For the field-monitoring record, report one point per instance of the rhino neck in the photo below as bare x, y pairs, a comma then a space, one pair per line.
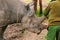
14, 18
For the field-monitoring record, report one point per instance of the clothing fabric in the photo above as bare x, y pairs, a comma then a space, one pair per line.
53, 10
53, 33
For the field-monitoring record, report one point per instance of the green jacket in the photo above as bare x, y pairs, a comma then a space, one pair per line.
53, 10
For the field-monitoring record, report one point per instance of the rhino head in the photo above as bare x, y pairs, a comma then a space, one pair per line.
31, 23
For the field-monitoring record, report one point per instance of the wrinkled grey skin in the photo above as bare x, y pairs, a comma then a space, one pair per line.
11, 11
31, 23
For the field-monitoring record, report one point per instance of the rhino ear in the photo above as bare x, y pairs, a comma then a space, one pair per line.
27, 7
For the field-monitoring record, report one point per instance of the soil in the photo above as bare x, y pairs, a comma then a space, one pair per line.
16, 32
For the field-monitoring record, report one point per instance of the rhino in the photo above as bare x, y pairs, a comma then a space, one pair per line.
16, 31
15, 11
33, 23
12, 11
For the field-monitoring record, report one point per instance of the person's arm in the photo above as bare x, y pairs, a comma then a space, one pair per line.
42, 18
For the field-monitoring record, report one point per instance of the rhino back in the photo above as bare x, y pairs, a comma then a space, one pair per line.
13, 10
16, 7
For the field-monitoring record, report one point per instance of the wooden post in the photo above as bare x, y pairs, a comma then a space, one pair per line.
40, 4
35, 5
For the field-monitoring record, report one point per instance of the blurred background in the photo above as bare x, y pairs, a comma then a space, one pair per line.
44, 5
44, 2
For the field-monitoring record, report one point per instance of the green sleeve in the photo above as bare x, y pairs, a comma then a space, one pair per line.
47, 10
46, 13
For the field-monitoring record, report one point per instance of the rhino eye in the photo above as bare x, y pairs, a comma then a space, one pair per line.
27, 7
34, 24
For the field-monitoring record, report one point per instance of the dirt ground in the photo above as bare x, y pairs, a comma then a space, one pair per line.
14, 32
32, 36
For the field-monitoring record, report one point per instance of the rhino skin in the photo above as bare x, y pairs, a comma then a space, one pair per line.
32, 24
16, 31
12, 11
